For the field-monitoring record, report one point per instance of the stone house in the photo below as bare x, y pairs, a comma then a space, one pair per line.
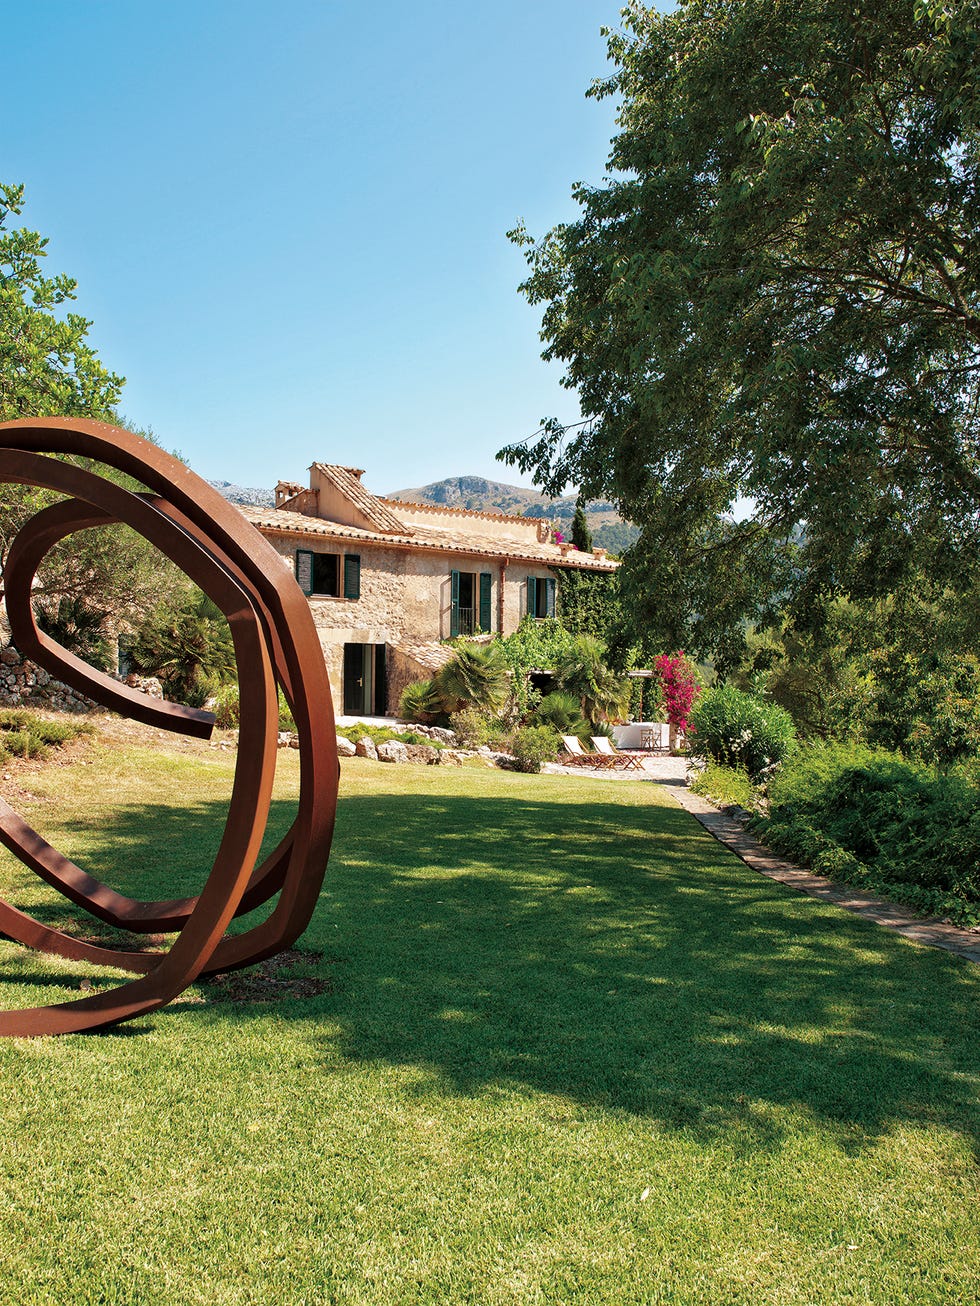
388, 581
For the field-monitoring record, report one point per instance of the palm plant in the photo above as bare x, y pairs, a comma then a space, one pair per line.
582, 672
564, 714
189, 648
420, 702
477, 676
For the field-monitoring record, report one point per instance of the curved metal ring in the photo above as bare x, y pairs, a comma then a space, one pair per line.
274, 640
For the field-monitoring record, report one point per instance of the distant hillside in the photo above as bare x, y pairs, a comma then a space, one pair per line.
609, 530
246, 494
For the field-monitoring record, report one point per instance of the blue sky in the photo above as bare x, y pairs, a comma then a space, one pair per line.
288, 221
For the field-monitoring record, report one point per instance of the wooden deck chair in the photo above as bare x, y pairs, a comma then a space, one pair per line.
621, 761
575, 754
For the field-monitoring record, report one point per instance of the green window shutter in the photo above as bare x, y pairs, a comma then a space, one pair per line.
532, 592
304, 570
352, 575
486, 589
549, 598
454, 604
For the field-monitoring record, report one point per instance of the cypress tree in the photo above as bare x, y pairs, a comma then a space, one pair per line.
581, 535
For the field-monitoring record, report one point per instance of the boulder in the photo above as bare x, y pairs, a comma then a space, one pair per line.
392, 750
444, 736
422, 753
366, 747
344, 747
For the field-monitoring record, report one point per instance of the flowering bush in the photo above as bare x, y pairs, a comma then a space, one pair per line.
740, 730
678, 685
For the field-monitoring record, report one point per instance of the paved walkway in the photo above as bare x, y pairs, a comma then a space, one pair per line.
931, 932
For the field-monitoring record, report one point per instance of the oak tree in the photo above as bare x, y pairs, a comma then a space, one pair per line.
770, 308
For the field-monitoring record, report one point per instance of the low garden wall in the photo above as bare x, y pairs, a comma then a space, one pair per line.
25, 684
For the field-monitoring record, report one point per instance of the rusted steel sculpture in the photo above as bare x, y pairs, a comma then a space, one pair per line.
275, 643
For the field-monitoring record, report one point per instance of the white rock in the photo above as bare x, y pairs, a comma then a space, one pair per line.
392, 750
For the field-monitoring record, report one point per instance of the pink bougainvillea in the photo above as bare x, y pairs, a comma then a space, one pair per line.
679, 685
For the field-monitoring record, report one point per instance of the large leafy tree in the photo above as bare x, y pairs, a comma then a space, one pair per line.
770, 309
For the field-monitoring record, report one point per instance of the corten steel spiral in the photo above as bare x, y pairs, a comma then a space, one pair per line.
275, 642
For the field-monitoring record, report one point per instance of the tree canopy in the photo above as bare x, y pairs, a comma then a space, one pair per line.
770, 308
47, 367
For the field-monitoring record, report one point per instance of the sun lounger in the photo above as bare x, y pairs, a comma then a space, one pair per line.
620, 761
575, 754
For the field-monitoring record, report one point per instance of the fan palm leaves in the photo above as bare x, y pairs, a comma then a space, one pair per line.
582, 672
477, 676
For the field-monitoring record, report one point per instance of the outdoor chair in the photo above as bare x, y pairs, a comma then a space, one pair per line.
620, 761
575, 754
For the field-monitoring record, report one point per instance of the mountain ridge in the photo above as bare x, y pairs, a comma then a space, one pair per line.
479, 494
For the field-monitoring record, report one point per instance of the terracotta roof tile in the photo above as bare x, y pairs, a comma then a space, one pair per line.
369, 504
428, 538
467, 512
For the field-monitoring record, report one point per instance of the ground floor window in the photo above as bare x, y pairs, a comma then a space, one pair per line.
365, 689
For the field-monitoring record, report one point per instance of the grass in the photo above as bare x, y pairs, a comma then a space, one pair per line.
564, 1049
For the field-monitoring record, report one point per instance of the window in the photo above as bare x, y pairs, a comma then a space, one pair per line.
320, 573
470, 604
540, 596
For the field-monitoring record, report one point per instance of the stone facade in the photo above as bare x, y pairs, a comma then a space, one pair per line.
407, 558
405, 601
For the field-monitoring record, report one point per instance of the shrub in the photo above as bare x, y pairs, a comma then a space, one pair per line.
419, 702
286, 721
740, 730
474, 728
225, 703
875, 819
679, 686
905, 821
563, 714
726, 785
534, 745
22, 734
381, 735
536, 645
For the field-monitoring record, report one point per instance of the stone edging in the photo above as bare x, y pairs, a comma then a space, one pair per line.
929, 931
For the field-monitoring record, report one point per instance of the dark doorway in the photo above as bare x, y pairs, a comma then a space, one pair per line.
365, 680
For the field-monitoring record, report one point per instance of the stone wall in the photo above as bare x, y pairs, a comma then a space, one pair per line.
25, 684
405, 599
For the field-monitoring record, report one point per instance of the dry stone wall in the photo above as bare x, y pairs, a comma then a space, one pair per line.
24, 684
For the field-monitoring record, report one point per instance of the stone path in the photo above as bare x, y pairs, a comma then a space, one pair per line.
931, 932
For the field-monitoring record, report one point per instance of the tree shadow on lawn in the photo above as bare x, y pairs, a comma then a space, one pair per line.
609, 953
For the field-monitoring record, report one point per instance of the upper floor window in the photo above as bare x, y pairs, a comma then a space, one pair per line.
540, 596
325, 574
470, 608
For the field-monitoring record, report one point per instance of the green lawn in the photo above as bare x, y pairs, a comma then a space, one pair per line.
551, 1045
